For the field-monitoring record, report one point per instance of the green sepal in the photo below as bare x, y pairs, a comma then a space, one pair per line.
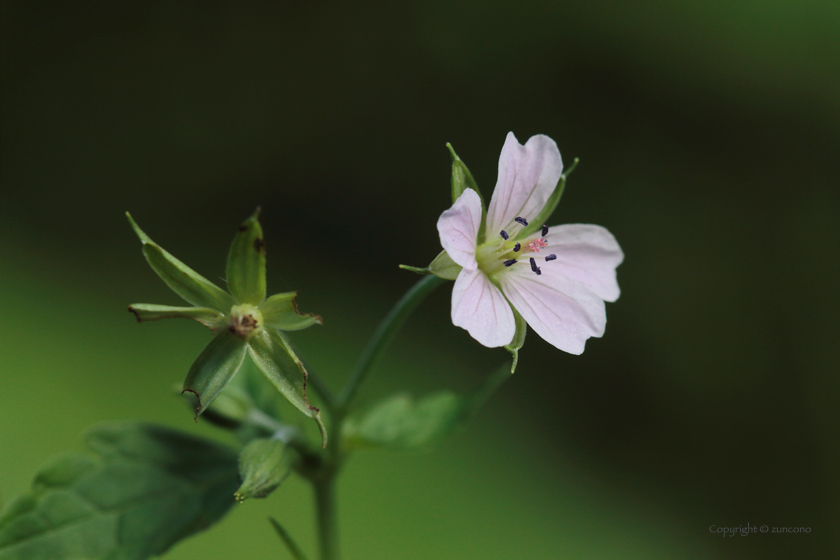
263, 465
214, 368
246, 263
294, 549
518, 338
180, 278
142, 489
550, 205
400, 422
462, 180
281, 312
274, 356
416, 269
442, 266
204, 315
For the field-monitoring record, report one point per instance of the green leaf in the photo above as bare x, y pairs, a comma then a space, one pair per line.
444, 267
518, 338
550, 205
246, 263
275, 358
400, 422
294, 549
145, 489
204, 315
263, 465
181, 279
281, 312
214, 368
416, 269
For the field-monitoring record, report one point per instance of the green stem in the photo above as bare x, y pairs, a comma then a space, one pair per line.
385, 333
327, 522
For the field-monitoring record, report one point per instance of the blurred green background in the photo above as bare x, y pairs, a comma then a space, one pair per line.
709, 134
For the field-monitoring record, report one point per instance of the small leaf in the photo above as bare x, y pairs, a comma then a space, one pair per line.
444, 267
400, 422
276, 359
204, 315
294, 549
518, 338
146, 488
263, 465
246, 263
550, 205
180, 278
281, 312
214, 368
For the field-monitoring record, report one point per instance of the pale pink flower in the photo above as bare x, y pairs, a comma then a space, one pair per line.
557, 278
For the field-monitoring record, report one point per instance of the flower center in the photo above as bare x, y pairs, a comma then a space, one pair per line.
245, 320
498, 254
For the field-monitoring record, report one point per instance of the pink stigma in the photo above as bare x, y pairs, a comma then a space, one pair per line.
536, 244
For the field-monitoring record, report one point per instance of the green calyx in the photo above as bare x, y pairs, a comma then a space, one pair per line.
244, 321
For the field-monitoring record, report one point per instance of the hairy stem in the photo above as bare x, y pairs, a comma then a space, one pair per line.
385, 333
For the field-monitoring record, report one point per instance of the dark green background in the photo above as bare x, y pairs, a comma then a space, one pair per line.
709, 133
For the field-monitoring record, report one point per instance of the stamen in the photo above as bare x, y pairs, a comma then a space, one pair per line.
544, 230
521, 220
510, 262
534, 267
504, 235
551, 257
516, 248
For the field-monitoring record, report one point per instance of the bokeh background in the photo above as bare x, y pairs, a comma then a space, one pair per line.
709, 134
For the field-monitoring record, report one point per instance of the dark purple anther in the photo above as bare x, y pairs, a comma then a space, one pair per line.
544, 230
533, 264
510, 262
521, 220
504, 235
551, 257
516, 247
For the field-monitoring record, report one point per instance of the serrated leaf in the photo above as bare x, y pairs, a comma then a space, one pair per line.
180, 278
246, 263
400, 422
151, 312
214, 368
281, 312
518, 338
550, 205
146, 488
273, 355
263, 465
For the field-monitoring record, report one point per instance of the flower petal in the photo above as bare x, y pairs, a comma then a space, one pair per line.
588, 254
479, 307
560, 309
458, 229
527, 176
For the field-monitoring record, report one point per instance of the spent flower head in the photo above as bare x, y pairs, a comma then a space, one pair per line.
243, 321
511, 269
